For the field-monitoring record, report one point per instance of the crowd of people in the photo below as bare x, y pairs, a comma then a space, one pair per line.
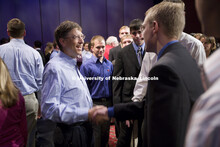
158, 82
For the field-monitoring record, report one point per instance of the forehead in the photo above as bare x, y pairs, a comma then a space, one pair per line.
75, 31
99, 42
124, 30
127, 39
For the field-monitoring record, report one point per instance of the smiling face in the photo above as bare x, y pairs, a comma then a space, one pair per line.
73, 43
98, 48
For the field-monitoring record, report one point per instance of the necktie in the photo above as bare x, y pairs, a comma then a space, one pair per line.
139, 53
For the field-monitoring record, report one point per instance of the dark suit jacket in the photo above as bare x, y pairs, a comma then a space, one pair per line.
169, 99
114, 52
126, 65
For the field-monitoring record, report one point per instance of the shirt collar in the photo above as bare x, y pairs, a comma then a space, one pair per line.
137, 47
95, 59
163, 49
17, 40
67, 58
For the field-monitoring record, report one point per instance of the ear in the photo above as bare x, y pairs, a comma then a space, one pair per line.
24, 33
8, 33
62, 42
92, 47
155, 26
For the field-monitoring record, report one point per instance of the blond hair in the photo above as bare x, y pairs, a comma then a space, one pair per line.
97, 37
128, 36
170, 17
123, 27
8, 91
49, 47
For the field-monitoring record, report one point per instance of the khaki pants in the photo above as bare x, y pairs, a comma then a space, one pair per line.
31, 105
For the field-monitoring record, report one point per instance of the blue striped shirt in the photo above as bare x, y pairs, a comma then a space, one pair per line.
65, 95
24, 64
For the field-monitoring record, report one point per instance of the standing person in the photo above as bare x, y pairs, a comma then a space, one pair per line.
65, 96
169, 99
55, 51
209, 45
48, 50
26, 67
124, 30
128, 64
193, 45
13, 123
111, 42
37, 46
203, 129
100, 89
86, 53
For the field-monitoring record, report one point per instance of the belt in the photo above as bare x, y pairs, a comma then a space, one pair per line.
101, 99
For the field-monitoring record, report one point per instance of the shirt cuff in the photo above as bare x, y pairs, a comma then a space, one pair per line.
111, 112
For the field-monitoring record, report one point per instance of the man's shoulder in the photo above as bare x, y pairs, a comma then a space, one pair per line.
115, 49
190, 41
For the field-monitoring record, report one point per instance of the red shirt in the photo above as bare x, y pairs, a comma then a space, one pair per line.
13, 125
107, 49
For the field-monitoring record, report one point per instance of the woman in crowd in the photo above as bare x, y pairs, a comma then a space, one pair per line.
48, 50
209, 45
13, 124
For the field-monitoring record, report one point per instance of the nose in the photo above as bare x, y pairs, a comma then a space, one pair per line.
81, 40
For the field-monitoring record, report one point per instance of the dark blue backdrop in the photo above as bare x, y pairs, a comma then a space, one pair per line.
97, 17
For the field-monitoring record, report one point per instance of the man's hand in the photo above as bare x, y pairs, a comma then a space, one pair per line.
98, 114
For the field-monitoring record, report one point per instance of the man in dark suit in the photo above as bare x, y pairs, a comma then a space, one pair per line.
169, 99
128, 65
124, 30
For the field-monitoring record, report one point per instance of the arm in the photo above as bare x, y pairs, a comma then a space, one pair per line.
39, 72
140, 88
200, 55
62, 105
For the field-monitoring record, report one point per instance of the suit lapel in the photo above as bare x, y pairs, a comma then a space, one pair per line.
132, 56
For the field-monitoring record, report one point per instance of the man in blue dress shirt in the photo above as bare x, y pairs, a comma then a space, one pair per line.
65, 96
26, 67
97, 72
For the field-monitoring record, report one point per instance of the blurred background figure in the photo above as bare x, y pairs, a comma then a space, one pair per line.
111, 42
209, 45
55, 51
4, 40
37, 47
48, 50
126, 40
86, 53
13, 123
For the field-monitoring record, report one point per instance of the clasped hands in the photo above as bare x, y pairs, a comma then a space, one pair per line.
98, 114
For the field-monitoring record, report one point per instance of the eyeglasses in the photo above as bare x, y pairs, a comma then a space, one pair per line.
77, 37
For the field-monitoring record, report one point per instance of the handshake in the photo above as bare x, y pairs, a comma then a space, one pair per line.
98, 114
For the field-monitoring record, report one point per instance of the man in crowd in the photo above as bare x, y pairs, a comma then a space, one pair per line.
128, 64
111, 42
65, 96
37, 47
26, 68
169, 99
124, 30
98, 71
